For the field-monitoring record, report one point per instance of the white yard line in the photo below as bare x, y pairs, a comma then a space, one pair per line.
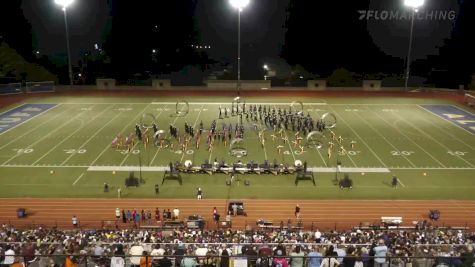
316, 148
45, 136
445, 131
348, 155
264, 147
400, 182
408, 138
138, 141
362, 140
69, 136
158, 148
194, 125
90, 138
123, 129
80, 176
36, 116
288, 141
38, 126
435, 140
384, 138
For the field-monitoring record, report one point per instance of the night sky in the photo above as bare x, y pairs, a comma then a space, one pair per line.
261, 26
321, 36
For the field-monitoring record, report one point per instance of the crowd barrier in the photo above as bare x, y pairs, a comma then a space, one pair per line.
26, 223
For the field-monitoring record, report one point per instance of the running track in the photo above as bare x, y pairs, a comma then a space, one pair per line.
325, 214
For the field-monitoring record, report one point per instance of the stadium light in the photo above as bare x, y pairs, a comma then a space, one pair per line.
239, 5
65, 4
414, 5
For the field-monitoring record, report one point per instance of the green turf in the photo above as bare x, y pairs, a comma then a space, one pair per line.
393, 133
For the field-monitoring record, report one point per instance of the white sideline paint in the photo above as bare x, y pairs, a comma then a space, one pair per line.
346, 170
129, 168
162, 168
227, 103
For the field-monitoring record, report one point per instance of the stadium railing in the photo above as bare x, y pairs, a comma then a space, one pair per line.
11, 88
214, 259
39, 87
26, 223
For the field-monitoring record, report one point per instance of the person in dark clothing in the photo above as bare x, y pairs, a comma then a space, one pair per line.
165, 261
124, 217
350, 258
224, 258
179, 252
394, 182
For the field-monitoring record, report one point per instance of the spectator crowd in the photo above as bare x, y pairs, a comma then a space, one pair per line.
187, 248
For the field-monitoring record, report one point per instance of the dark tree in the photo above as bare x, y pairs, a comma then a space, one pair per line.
15, 30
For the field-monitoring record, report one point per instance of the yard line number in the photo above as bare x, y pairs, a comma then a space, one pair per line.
23, 150
401, 153
75, 151
188, 152
349, 152
457, 153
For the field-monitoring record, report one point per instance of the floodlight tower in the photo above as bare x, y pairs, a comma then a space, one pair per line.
239, 5
414, 5
65, 4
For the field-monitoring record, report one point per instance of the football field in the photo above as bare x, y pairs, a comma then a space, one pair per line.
61, 147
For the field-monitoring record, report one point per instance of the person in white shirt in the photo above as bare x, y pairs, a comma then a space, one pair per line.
136, 250
157, 251
176, 213
9, 255
117, 260
117, 213
318, 236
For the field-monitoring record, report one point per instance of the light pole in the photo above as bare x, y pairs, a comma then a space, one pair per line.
414, 5
239, 5
266, 69
65, 4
